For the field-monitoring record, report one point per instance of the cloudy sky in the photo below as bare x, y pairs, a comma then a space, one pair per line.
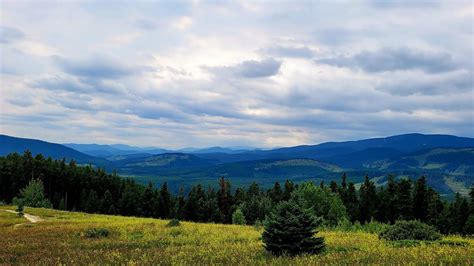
242, 73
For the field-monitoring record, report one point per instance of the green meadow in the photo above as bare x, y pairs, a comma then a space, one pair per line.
62, 239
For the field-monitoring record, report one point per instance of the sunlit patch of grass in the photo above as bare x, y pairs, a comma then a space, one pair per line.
149, 241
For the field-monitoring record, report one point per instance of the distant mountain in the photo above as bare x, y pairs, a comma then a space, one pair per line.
112, 150
402, 143
447, 161
457, 161
159, 163
222, 150
10, 144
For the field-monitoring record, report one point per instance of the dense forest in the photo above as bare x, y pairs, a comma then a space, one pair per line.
83, 188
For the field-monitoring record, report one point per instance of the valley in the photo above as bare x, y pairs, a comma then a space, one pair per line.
447, 161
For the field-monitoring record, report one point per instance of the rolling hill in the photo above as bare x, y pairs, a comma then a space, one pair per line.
56, 151
448, 161
112, 150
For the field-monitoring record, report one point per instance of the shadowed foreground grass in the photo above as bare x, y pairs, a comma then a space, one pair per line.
60, 239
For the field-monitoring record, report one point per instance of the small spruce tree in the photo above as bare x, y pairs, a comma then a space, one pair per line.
238, 217
20, 208
33, 195
290, 230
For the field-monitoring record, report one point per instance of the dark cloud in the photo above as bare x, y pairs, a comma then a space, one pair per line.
62, 84
429, 85
390, 59
289, 51
249, 69
8, 34
96, 67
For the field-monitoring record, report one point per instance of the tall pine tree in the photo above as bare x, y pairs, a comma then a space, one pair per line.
368, 198
420, 202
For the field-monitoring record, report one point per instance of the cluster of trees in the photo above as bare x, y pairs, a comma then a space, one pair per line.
68, 186
406, 200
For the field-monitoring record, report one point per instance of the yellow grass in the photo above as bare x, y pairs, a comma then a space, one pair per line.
60, 239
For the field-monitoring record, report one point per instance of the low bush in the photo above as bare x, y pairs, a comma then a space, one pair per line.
97, 233
454, 243
20, 208
173, 223
410, 230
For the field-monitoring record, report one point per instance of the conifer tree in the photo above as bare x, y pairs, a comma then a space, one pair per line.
194, 207
289, 187
164, 202
92, 203
33, 194
404, 200
343, 189
435, 207
352, 203
149, 206
238, 217
392, 206
333, 186
471, 194
180, 204
240, 196
225, 200
344, 181
276, 194
107, 202
368, 197
420, 203
290, 230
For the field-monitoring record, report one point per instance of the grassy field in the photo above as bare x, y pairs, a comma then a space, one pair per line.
61, 239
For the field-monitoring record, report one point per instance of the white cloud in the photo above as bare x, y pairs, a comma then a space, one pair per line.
233, 74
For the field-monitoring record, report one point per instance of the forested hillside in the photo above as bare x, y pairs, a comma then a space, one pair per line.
72, 187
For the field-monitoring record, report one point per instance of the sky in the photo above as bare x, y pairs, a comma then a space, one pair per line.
176, 74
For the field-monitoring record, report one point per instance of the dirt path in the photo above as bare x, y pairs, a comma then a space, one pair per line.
29, 217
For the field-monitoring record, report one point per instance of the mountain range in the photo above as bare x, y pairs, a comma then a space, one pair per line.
447, 161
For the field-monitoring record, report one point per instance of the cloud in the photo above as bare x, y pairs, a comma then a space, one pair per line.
78, 85
146, 24
392, 59
420, 84
404, 4
198, 73
96, 67
249, 69
290, 51
9, 34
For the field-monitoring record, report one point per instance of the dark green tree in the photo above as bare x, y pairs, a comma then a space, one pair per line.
180, 204
256, 207
352, 203
289, 187
368, 198
333, 186
290, 230
165, 203
404, 200
392, 204
107, 202
276, 194
150, 201
435, 207
420, 202
224, 197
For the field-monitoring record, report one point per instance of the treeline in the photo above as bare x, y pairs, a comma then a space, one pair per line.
83, 188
